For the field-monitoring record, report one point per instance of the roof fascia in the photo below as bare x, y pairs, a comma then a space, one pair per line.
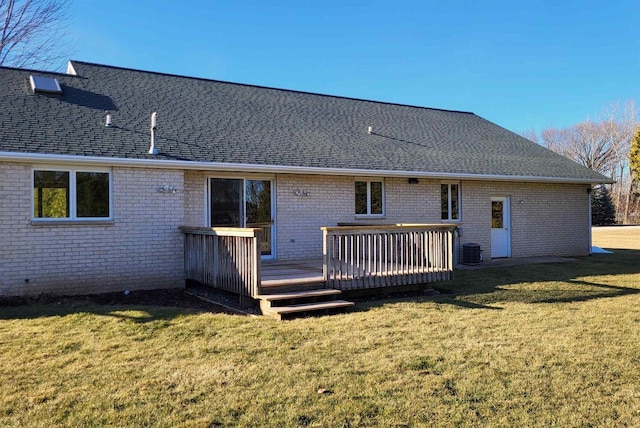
274, 169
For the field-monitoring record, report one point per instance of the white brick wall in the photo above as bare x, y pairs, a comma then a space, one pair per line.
546, 219
195, 197
299, 218
141, 248
332, 201
551, 220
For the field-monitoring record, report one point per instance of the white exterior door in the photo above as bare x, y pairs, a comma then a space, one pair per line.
500, 225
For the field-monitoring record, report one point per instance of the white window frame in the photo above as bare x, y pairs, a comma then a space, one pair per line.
450, 201
369, 181
73, 217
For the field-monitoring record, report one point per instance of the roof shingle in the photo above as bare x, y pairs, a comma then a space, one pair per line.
212, 121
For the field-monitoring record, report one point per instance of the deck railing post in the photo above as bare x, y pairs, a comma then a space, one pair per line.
325, 254
450, 254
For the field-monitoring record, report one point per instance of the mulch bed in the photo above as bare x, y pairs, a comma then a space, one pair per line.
178, 298
212, 300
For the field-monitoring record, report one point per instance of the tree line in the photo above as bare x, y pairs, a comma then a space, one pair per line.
609, 144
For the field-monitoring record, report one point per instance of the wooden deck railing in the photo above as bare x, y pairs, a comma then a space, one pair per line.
224, 257
358, 257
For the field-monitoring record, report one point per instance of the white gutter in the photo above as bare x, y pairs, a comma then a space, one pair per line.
273, 169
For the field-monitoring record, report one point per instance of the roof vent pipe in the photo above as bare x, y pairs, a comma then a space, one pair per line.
152, 149
370, 130
107, 120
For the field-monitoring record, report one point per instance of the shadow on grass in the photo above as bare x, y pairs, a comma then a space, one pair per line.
138, 306
468, 305
577, 281
134, 313
594, 277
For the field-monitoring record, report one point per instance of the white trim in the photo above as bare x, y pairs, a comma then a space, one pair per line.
73, 195
506, 217
450, 183
206, 202
273, 169
369, 214
243, 214
274, 219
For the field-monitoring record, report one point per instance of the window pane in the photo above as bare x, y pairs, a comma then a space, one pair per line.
376, 197
361, 197
454, 202
444, 201
92, 194
50, 194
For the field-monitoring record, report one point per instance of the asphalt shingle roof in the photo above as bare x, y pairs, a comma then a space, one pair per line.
212, 121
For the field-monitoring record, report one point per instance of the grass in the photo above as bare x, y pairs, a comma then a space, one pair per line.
541, 345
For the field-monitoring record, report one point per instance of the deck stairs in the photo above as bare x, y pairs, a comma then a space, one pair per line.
281, 303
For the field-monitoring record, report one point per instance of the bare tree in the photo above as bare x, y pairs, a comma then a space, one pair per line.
585, 142
601, 145
530, 135
31, 32
620, 123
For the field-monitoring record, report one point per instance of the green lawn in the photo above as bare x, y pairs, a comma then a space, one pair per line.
542, 345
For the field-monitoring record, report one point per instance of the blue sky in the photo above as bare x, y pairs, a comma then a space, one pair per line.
523, 65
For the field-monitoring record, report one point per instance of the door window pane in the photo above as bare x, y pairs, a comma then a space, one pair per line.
226, 202
258, 201
259, 214
497, 215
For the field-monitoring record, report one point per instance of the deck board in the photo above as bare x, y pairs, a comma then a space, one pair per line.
283, 273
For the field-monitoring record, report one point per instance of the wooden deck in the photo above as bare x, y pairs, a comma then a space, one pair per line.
277, 273
354, 257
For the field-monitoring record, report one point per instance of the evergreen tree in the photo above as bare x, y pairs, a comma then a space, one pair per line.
602, 210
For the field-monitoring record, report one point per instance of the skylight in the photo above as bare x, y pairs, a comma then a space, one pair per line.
49, 85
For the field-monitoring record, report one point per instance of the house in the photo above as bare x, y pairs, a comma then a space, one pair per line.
101, 166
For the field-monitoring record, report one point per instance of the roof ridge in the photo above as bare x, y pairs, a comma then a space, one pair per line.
32, 70
269, 87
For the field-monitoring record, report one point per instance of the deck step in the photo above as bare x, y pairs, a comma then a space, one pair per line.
299, 294
279, 311
301, 302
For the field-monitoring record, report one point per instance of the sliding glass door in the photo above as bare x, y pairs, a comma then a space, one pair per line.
238, 202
